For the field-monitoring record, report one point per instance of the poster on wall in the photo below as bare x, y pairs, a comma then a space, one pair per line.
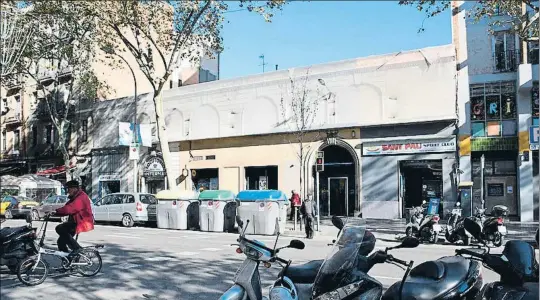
213, 183
125, 134
263, 183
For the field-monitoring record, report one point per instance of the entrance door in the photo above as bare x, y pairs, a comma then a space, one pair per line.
338, 196
155, 186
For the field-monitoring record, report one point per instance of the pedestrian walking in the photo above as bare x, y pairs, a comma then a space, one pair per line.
309, 211
295, 204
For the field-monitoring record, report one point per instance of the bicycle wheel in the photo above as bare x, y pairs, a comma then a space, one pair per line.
32, 272
90, 262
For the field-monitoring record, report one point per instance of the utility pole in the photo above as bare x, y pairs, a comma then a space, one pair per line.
263, 63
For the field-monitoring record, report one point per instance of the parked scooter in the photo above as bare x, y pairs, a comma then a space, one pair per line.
455, 231
517, 267
493, 229
422, 225
16, 244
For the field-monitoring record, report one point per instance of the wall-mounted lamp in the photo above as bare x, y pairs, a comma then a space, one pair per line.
353, 134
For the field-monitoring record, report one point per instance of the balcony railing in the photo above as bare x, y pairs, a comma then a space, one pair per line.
506, 61
11, 118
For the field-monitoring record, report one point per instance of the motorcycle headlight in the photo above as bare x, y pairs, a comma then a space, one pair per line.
252, 253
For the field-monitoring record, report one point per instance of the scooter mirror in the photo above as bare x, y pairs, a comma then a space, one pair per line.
297, 244
458, 204
410, 242
28, 218
424, 202
473, 228
338, 222
239, 222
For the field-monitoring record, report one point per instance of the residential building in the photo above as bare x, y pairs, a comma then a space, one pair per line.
386, 125
498, 104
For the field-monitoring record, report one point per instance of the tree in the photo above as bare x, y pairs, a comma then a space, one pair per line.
160, 35
299, 107
524, 24
59, 60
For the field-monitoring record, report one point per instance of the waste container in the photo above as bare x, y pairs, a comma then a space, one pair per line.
178, 209
264, 209
217, 210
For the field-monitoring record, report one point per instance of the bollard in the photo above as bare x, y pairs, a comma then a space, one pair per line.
295, 218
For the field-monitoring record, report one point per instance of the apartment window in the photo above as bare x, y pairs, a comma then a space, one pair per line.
535, 104
34, 135
49, 134
4, 141
493, 109
532, 57
504, 51
16, 140
179, 82
84, 129
170, 84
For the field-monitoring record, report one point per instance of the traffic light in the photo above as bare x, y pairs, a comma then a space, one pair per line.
319, 163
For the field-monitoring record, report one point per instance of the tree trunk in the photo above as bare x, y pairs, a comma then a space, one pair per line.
62, 139
163, 139
301, 169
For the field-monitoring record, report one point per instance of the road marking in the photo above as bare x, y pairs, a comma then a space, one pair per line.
211, 249
124, 236
160, 258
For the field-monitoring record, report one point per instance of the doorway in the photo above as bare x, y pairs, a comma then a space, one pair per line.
338, 197
155, 186
420, 180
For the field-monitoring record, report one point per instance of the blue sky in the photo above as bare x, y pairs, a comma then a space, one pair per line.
308, 33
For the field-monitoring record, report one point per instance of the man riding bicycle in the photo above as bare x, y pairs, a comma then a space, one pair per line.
81, 217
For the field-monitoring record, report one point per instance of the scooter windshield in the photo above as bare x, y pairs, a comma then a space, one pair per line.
342, 260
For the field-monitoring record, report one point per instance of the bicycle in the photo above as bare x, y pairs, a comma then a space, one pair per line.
79, 260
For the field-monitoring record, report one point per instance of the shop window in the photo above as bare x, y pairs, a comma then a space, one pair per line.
493, 109
207, 179
262, 178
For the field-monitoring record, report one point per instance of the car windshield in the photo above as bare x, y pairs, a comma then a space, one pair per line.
148, 199
342, 260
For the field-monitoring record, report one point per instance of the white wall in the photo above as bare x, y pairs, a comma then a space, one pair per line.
400, 87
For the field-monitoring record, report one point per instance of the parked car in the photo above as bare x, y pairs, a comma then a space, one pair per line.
16, 206
126, 208
50, 204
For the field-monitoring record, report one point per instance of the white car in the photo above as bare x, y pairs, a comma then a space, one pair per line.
126, 208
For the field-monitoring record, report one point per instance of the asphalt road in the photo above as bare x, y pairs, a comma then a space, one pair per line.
151, 263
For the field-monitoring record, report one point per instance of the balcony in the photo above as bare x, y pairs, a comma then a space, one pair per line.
506, 61
11, 118
48, 73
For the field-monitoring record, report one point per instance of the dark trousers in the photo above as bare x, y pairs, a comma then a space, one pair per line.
309, 226
66, 233
293, 210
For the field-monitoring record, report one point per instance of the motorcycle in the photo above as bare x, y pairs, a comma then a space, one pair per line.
423, 226
339, 277
16, 244
493, 229
455, 231
517, 267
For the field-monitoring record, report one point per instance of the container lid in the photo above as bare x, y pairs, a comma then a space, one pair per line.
261, 195
216, 195
465, 183
177, 195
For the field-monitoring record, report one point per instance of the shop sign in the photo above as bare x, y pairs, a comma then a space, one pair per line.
154, 167
109, 177
534, 136
408, 147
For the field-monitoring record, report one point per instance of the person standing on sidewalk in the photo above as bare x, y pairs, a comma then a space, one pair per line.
295, 204
308, 210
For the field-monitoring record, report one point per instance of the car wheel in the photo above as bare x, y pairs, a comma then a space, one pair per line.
498, 240
127, 220
8, 214
35, 215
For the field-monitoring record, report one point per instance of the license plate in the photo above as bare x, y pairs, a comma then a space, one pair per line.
502, 229
437, 228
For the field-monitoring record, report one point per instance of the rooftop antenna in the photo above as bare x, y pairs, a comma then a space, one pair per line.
263, 63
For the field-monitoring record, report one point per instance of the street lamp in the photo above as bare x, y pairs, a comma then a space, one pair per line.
110, 50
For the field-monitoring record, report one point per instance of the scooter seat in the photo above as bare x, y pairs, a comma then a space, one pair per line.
8, 232
431, 279
304, 273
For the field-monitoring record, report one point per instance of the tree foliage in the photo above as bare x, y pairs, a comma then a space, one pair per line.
498, 12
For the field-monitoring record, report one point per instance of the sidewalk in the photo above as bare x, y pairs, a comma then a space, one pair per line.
392, 228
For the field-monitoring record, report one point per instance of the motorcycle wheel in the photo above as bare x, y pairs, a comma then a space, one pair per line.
498, 240
449, 238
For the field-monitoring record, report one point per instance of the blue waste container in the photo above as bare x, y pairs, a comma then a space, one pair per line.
266, 211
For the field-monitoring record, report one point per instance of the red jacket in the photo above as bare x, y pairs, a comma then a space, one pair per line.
295, 200
80, 209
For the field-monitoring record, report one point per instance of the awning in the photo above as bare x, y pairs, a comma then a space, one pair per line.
54, 171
